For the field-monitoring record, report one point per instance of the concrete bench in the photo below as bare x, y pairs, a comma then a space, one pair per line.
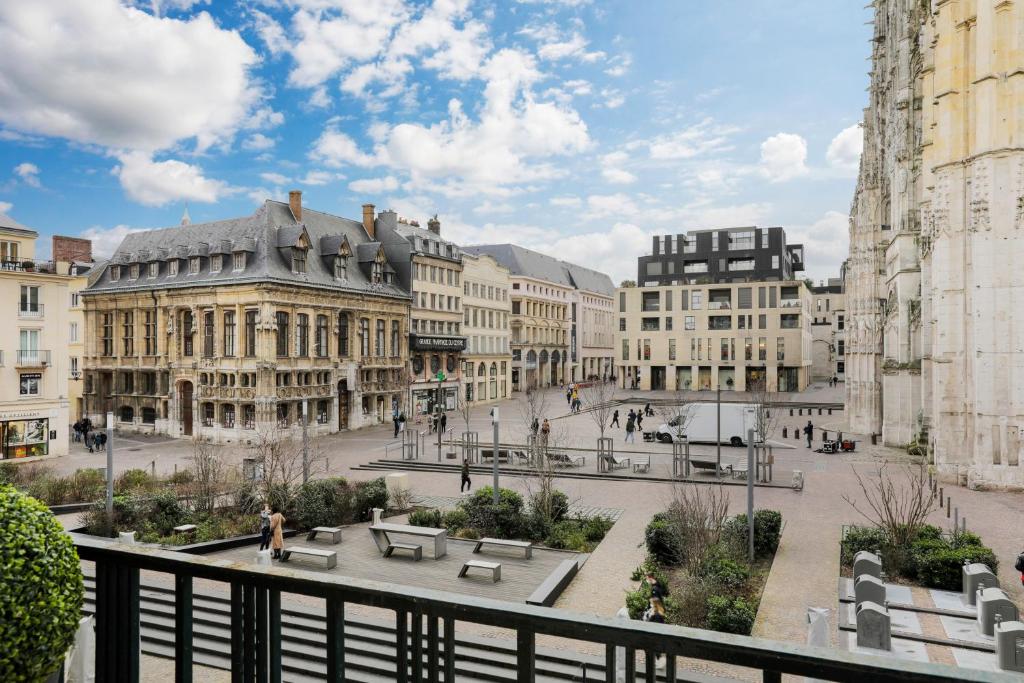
185, 529
548, 591
565, 460
495, 568
525, 545
329, 555
334, 532
642, 465
417, 550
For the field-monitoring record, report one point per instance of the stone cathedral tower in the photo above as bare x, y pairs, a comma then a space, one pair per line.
935, 278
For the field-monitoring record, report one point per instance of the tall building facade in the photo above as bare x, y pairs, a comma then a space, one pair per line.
545, 333
828, 331
220, 329
591, 332
34, 416
937, 226
430, 267
487, 307
75, 255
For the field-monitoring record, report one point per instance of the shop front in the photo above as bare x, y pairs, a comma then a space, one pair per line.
24, 435
436, 364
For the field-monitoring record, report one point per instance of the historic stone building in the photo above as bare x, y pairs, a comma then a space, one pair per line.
223, 328
828, 331
937, 224
487, 360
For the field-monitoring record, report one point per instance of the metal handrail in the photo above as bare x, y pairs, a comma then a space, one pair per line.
30, 310
256, 627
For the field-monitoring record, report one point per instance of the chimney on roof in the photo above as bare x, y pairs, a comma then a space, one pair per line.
434, 225
295, 204
368, 219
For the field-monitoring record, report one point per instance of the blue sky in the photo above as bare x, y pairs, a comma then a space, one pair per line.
577, 128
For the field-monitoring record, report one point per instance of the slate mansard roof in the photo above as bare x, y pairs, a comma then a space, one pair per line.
266, 237
529, 263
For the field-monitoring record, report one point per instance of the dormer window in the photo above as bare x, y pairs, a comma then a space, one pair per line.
298, 260
133, 272
172, 267
239, 260
340, 267
115, 273
154, 269
216, 261
193, 265
377, 270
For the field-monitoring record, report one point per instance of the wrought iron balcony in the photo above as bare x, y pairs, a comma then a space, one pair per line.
32, 358
424, 643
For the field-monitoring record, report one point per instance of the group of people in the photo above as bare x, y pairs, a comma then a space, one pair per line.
398, 418
833, 381
272, 531
83, 432
572, 397
634, 421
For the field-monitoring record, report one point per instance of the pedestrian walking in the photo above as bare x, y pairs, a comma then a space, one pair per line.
77, 429
647, 410
401, 421
1019, 566
655, 614
101, 438
545, 432
568, 397
640, 419
265, 527
835, 381
394, 418
630, 431
277, 533
88, 441
466, 484
615, 420
535, 427
658, 589
809, 431
444, 422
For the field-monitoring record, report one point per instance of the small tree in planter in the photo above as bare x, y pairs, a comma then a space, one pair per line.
41, 600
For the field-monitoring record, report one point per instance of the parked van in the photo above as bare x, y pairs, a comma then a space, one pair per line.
700, 424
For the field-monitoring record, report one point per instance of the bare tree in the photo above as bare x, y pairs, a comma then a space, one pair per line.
898, 505
533, 408
597, 398
209, 475
766, 415
281, 459
696, 517
678, 411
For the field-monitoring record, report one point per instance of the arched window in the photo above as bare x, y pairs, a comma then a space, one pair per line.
482, 370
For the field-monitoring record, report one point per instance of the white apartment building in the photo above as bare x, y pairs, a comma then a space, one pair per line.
487, 307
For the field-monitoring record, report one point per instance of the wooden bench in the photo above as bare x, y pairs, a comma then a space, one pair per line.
185, 529
335, 533
495, 568
565, 460
417, 550
642, 465
329, 555
525, 545
618, 463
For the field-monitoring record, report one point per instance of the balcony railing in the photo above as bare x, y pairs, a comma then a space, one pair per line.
791, 303
30, 310
425, 620
719, 305
32, 358
28, 266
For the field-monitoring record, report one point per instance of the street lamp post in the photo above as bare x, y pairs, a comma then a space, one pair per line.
440, 410
718, 441
494, 460
110, 470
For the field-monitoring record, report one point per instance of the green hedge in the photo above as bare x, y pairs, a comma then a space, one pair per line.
730, 615
42, 589
430, 518
767, 531
662, 541
504, 520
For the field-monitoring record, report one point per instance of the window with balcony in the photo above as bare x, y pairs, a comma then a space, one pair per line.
695, 267
741, 264
29, 304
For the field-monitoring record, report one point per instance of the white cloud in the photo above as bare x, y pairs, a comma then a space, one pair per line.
619, 65
5, 207
571, 202
105, 241
489, 207
783, 157
318, 178
845, 149
274, 178
29, 173
258, 142
826, 244
601, 205
155, 183
374, 185
104, 73
701, 138
162, 6
612, 171
578, 86
336, 149
613, 99
613, 251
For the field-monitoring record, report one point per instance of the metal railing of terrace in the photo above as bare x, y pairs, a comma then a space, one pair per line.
425, 623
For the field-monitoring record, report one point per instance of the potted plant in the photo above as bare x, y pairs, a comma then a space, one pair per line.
41, 600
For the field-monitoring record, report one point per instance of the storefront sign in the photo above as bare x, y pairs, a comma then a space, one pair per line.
434, 343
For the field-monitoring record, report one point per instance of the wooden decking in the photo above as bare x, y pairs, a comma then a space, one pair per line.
358, 556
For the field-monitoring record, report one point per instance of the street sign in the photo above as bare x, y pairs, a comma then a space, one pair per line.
440, 376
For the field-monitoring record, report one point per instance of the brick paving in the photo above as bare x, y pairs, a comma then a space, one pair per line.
807, 563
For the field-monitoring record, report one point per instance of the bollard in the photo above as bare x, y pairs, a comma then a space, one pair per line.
956, 519
824, 435
819, 411
949, 506
829, 411
785, 434
791, 412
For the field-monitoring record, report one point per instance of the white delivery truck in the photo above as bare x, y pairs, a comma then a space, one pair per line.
698, 422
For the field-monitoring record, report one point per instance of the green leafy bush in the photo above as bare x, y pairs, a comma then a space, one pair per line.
730, 615
557, 507
8, 473
595, 528
567, 535
315, 504
247, 498
41, 599
942, 567
368, 495
165, 512
87, 485
430, 518
52, 490
134, 480
662, 541
504, 520
728, 575
860, 538
767, 530
281, 497
455, 519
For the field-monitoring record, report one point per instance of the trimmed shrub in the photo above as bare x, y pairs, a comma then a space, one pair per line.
595, 528
455, 519
567, 535
134, 480
315, 504
429, 517
767, 529
726, 574
730, 615
860, 538
942, 567
87, 485
165, 512
662, 541
368, 495
41, 601
504, 520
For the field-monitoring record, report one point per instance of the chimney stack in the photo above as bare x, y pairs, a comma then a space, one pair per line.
368, 220
295, 203
434, 225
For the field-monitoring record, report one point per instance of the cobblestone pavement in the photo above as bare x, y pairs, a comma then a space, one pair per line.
806, 566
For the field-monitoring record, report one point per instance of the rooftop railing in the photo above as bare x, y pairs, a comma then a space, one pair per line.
425, 623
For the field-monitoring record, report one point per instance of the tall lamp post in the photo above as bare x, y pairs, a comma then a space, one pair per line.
440, 409
718, 441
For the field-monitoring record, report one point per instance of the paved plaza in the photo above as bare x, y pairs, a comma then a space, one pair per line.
806, 565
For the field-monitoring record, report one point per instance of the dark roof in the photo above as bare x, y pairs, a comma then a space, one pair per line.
266, 235
529, 263
9, 224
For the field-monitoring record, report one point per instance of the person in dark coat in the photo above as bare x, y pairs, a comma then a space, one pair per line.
639, 419
615, 420
809, 431
444, 422
394, 419
630, 430
265, 527
467, 484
